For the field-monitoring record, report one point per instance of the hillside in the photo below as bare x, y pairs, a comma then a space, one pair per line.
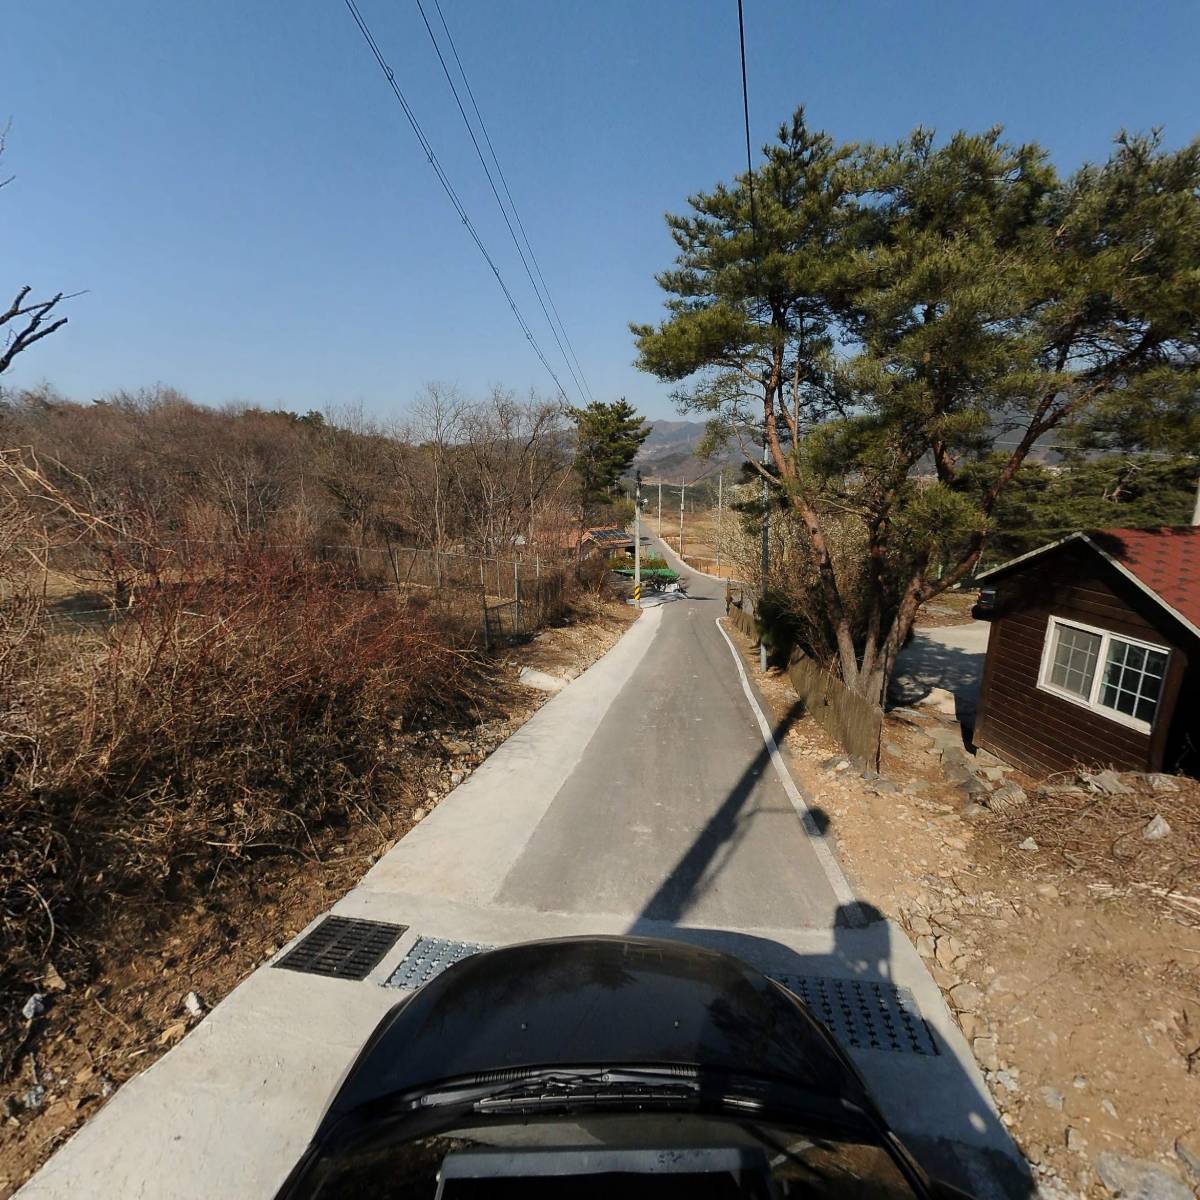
669, 453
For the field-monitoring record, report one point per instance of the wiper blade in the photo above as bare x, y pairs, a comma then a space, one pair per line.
554, 1087
604, 1088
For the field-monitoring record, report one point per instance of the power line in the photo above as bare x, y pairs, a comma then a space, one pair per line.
749, 156
448, 187
576, 370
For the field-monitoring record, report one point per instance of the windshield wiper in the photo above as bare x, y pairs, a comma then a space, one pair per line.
595, 1088
550, 1088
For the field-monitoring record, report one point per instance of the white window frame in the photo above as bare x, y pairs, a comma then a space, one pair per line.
1107, 637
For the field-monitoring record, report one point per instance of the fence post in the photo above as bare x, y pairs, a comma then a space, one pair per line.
518, 615
487, 641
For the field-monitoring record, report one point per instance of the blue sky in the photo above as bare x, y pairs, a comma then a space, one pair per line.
254, 221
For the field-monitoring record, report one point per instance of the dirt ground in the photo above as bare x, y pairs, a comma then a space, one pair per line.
1079, 949
97, 1033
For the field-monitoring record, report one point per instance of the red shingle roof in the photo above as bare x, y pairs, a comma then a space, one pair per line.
1166, 560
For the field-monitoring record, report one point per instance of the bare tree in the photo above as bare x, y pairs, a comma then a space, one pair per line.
25, 321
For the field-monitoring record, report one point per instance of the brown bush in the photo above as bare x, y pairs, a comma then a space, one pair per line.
215, 720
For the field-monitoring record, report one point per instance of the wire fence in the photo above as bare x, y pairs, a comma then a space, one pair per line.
500, 596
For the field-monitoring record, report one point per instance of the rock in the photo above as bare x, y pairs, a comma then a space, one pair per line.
971, 809
910, 716
956, 843
1007, 1081
945, 737
884, 787
1107, 782
946, 951
1006, 796
419, 813
53, 980
1051, 1098
1109, 1107
966, 997
969, 1024
1028, 844
985, 1052
1075, 1140
1156, 828
991, 774
985, 758
956, 774
1047, 890
540, 680
1189, 1154
925, 946
946, 980
34, 1097
920, 925
193, 1005
830, 764
1079, 1082
456, 777
1139, 1179
1161, 783
939, 700
34, 1006
955, 757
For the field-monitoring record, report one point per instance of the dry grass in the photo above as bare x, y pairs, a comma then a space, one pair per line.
1100, 839
215, 723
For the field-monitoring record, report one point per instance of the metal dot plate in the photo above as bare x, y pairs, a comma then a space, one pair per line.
864, 1015
342, 948
861, 1014
428, 957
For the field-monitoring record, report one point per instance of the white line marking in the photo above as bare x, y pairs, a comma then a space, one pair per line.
829, 864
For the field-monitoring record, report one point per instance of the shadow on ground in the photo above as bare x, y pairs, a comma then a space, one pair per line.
925, 664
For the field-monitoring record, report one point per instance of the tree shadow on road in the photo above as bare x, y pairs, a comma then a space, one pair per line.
695, 872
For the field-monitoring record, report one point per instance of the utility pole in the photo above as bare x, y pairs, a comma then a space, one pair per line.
766, 539
637, 540
659, 508
720, 489
682, 493
1196, 510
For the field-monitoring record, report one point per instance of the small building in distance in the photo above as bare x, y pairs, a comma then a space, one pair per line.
610, 540
1094, 654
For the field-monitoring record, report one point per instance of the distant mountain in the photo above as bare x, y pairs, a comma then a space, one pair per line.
669, 453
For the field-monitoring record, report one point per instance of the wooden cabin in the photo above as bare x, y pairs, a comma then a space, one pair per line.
1094, 654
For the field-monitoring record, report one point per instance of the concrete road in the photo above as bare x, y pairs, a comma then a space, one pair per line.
675, 803
647, 796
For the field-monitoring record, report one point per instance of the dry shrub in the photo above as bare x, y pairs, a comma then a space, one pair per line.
216, 720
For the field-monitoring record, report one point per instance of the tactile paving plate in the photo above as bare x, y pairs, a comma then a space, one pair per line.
861, 1014
865, 1015
430, 956
342, 948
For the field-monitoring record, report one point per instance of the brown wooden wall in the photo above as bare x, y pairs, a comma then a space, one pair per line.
1029, 727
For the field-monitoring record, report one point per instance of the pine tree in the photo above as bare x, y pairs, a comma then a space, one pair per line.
880, 310
608, 437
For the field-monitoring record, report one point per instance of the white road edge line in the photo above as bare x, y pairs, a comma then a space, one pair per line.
829, 864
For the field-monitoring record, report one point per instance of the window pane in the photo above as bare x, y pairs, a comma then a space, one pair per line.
1132, 679
1074, 664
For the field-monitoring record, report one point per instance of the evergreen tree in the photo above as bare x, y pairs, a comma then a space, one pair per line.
887, 308
608, 437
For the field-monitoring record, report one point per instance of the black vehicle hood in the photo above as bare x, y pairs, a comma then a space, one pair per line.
602, 1001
